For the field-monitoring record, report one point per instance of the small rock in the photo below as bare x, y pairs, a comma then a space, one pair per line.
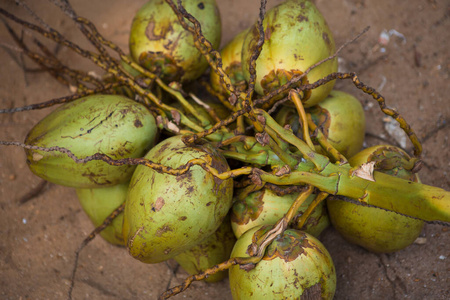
420, 241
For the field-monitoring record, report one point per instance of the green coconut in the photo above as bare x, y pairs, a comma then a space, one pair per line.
160, 43
210, 252
109, 124
166, 215
231, 63
100, 203
375, 229
340, 117
265, 207
295, 266
296, 37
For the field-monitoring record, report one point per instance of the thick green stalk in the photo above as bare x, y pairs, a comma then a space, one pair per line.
319, 161
413, 199
405, 197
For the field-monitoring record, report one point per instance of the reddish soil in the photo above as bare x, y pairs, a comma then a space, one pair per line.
39, 237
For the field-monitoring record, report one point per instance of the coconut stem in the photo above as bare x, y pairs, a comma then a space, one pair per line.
317, 200
293, 95
318, 160
258, 248
323, 142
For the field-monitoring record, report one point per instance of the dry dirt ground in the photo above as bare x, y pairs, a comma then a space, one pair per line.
38, 238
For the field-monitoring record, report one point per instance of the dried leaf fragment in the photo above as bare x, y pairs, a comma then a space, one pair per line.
172, 127
263, 138
283, 171
365, 171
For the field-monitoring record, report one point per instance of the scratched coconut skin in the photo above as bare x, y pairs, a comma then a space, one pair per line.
168, 49
166, 215
374, 229
295, 39
109, 124
295, 265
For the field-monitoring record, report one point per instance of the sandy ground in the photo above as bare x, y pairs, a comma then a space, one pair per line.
38, 238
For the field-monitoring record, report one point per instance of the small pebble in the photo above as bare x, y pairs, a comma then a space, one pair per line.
442, 257
420, 241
